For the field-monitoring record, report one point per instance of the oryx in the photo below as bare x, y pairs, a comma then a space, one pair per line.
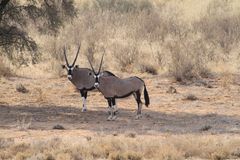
82, 78
113, 87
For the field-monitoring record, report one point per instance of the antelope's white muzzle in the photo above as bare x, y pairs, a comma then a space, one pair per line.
69, 77
96, 85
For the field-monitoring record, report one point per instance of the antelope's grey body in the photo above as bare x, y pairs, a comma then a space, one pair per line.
113, 87
82, 78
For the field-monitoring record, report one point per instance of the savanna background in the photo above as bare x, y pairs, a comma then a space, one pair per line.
187, 52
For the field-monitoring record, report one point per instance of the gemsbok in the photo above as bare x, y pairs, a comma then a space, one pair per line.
81, 78
113, 87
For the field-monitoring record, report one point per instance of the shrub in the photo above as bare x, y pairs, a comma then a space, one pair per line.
205, 128
220, 29
191, 97
4, 70
188, 59
126, 56
148, 69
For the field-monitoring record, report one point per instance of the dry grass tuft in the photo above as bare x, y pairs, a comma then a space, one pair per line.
133, 156
50, 157
131, 135
191, 97
171, 90
41, 98
116, 156
206, 128
125, 156
21, 88
24, 122
59, 127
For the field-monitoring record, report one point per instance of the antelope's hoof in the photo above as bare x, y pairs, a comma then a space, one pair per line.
109, 110
109, 118
114, 118
84, 110
138, 116
115, 113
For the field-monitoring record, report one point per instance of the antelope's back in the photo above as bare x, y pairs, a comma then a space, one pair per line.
112, 86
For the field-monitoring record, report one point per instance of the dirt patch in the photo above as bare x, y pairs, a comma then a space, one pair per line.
168, 113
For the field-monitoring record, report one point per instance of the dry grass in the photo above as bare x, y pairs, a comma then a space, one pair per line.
24, 121
5, 71
149, 36
41, 95
227, 79
124, 148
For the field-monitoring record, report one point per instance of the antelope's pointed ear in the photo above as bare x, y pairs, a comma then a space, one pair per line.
63, 66
76, 66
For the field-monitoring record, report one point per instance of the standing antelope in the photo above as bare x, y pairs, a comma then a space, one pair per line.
113, 87
81, 77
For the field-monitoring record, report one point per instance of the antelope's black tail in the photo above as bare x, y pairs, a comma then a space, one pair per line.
146, 96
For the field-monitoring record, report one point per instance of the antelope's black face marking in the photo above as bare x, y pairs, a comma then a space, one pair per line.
69, 71
97, 76
96, 84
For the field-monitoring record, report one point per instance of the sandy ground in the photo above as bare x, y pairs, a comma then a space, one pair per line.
32, 115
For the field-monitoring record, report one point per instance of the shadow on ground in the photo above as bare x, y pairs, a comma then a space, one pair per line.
45, 117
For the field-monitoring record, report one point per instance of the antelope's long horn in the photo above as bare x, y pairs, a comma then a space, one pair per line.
65, 56
91, 65
79, 46
100, 67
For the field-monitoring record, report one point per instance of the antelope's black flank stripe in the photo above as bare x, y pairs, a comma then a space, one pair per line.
110, 73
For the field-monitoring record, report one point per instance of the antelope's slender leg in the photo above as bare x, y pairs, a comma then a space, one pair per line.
109, 106
114, 109
84, 98
139, 103
111, 109
114, 106
112, 115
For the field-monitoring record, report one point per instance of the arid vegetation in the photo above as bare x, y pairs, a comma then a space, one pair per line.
123, 148
187, 52
146, 36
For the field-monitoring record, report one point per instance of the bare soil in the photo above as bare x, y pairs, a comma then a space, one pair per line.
52, 102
